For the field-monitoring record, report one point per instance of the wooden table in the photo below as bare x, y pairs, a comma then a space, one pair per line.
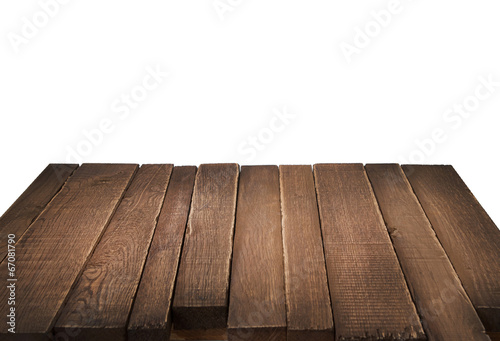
330, 252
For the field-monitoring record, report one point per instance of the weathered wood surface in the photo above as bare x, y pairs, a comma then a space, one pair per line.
308, 305
32, 202
257, 297
370, 297
151, 314
347, 252
468, 235
99, 305
54, 250
445, 309
202, 288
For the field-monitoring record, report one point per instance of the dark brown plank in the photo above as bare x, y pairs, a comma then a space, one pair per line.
151, 313
100, 303
53, 251
369, 293
201, 292
494, 336
32, 202
446, 311
309, 312
199, 334
468, 235
257, 296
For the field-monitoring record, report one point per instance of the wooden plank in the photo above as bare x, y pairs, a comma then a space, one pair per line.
199, 334
201, 292
257, 296
100, 303
309, 312
151, 314
494, 336
32, 202
53, 251
468, 235
446, 311
369, 293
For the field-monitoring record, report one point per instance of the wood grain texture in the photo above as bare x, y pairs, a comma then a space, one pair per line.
257, 296
100, 303
309, 312
370, 297
468, 235
32, 202
201, 293
54, 250
446, 311
151, 313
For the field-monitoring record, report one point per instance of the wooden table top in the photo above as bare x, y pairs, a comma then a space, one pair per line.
216, 252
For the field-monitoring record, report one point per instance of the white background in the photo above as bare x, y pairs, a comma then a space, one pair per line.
230, 73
